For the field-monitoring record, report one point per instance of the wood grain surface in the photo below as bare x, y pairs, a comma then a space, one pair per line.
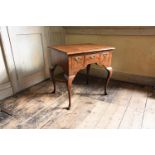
81, 48
127, 106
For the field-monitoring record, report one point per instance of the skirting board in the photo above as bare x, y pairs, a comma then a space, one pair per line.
143, 80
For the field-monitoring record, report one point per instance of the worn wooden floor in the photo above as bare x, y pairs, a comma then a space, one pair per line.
126, 106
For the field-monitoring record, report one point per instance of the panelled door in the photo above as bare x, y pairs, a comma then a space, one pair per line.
5, 84
29, 54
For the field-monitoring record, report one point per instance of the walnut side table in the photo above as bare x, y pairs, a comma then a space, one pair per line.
74, 57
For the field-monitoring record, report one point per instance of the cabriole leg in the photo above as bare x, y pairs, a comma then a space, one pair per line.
69, 80
52, 70
109, 70
87, 76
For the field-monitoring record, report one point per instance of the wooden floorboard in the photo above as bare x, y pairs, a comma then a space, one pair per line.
149, 113
29, 102
133, 117
126, 106
71, 118
92, 118
115, 111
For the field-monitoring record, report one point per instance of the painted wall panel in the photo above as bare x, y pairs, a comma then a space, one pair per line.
133, 54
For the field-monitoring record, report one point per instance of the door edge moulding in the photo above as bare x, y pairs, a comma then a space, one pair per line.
6, 88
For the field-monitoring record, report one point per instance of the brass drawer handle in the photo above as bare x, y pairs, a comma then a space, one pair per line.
92, 56
77, 59
104, 54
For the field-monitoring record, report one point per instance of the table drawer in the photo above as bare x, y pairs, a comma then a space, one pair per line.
105, 59
92, 58
77, 61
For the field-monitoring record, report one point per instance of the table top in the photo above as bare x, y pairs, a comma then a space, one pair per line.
71, 49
